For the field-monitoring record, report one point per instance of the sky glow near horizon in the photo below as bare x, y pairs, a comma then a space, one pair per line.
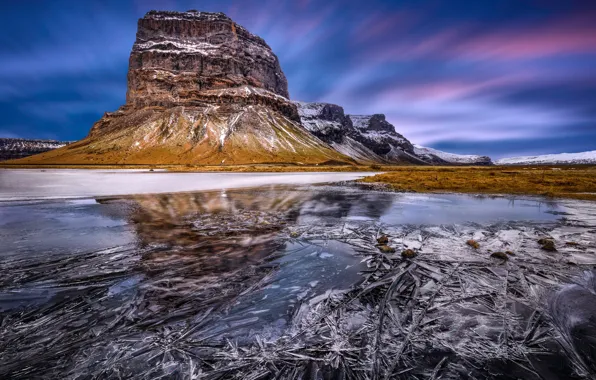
501, 78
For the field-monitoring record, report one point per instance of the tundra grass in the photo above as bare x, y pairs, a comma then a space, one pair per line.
569, 182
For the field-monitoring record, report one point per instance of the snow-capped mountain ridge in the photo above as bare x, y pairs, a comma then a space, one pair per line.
461, 159
552, 159
11, 148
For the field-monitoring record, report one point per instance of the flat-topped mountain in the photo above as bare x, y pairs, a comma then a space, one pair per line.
380, 136
201, 90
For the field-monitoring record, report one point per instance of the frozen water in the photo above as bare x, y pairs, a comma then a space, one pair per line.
142, 286
72, 183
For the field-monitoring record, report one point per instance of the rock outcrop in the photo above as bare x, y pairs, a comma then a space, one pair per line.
201, 90
329, 123
326, 121
377, 134
18, 148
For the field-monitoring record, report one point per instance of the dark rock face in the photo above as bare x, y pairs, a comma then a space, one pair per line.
379, 135
18, 148
176, 55
326, 121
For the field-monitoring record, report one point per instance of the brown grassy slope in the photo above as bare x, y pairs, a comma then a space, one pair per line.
573, 182
186, 136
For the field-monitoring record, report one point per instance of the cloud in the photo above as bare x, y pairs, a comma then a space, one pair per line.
485, 77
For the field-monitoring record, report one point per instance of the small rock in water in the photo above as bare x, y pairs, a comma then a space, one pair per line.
294, 234
510, 253
500, 255
473, 243
408, 254
386, 249
572, 244
383, 240
547, 244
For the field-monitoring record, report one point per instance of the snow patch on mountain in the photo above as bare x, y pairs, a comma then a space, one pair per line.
357, 151
461, 159
551, 159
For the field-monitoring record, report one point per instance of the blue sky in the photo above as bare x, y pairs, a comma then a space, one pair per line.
506, 77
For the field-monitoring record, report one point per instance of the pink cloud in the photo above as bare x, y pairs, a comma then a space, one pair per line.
459, 88
574, 35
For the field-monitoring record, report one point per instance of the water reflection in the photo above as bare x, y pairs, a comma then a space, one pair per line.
108, 283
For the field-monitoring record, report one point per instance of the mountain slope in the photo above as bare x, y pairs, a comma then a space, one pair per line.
552, 159
434, 155
201, 90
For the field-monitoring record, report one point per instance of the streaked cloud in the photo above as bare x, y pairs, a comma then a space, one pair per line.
511, 78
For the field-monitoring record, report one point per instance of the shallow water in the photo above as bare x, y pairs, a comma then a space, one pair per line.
84, 279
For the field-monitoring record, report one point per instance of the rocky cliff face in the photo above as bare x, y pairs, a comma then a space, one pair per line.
19, 148
201, 90
177, 55
377, 134
326, 121
329, 123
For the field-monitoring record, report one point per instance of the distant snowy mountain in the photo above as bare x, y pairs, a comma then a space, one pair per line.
551, 159
430, 155
19, 148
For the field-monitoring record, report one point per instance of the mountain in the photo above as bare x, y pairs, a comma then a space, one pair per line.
377, 134
552, 159
19, 148
367, 139
329, 123
372, 139
436, 156
201, 90
204, 90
